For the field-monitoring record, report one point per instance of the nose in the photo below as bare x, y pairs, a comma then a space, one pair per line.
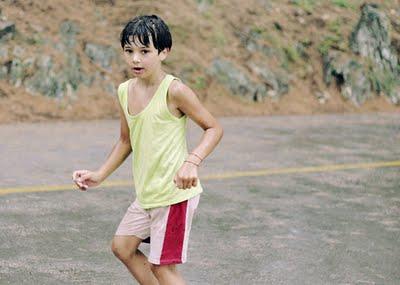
135, 58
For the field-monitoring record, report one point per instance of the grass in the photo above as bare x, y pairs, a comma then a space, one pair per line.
331, 41
291, 54
200, 83
306, 5
218, 38
335, 26
342, 3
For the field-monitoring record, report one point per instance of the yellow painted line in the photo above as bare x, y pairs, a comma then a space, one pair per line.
262, 172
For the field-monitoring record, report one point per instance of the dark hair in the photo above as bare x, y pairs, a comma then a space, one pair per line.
145, 26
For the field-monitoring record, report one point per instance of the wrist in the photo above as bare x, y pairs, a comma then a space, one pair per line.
102, 176
195, 158
192, 163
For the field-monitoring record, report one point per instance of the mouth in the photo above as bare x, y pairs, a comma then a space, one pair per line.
137, 68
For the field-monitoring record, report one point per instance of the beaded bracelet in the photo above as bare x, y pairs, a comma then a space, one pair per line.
192, 162
196, 155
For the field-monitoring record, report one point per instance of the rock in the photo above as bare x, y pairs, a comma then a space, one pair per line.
349, 75
371, 39
253, 41
322, 96
68, 31
102, 2
18, 51
266, 5
45, 80
100, 54
236, 80
7, 29
275, 83
3, 53
203, 5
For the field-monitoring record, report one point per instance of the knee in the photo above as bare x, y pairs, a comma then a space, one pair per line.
160, 270
120, 251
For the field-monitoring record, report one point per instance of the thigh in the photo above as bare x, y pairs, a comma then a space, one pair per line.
136, 222
170, 228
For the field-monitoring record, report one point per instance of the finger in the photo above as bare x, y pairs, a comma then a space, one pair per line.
179, 183
82, 186
182, 183
82, 172
191, 182
194, 182
75, 174
79, 184
186, 184
85, 176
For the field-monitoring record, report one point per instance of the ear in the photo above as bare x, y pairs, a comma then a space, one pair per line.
164, 53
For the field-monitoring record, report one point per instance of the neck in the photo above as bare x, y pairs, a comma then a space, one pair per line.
152, 79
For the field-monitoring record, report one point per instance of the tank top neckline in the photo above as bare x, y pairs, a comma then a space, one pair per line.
151, 100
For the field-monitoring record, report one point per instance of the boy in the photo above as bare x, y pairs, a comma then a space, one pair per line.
154, 107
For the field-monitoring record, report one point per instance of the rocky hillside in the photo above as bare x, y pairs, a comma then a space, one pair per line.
62, 59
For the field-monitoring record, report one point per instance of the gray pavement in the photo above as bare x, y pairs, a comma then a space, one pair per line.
327, 227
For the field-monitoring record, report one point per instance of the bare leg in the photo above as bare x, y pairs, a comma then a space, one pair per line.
125, 248
168, 274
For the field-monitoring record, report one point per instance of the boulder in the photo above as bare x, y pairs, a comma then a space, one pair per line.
370, 38
349, 75
101, 55
236, 80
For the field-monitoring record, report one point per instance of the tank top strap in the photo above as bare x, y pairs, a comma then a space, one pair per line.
167, 81
163, 90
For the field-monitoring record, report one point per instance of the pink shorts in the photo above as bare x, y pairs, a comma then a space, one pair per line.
165, 228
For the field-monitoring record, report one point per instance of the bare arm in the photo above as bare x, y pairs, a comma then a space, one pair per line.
186, 100
85, 178
120, 150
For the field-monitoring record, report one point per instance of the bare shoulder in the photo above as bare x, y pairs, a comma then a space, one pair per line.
184, 98
177, 88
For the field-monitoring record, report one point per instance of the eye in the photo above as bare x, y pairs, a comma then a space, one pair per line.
145, 51
128, 51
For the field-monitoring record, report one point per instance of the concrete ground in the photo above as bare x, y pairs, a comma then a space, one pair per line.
253, 226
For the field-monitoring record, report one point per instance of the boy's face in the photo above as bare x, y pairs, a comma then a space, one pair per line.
143, 60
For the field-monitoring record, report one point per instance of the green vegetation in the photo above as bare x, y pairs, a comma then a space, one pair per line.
180, 31
306, 5
209, 2
335, 26
382, 80
342, 3
218, 38
334, 40
331, 41
291, 54
34, 40
200, 83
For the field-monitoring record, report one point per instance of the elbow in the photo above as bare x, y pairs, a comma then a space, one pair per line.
125, 140
220, 131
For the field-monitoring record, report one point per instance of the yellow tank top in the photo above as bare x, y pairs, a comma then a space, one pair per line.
158, 140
